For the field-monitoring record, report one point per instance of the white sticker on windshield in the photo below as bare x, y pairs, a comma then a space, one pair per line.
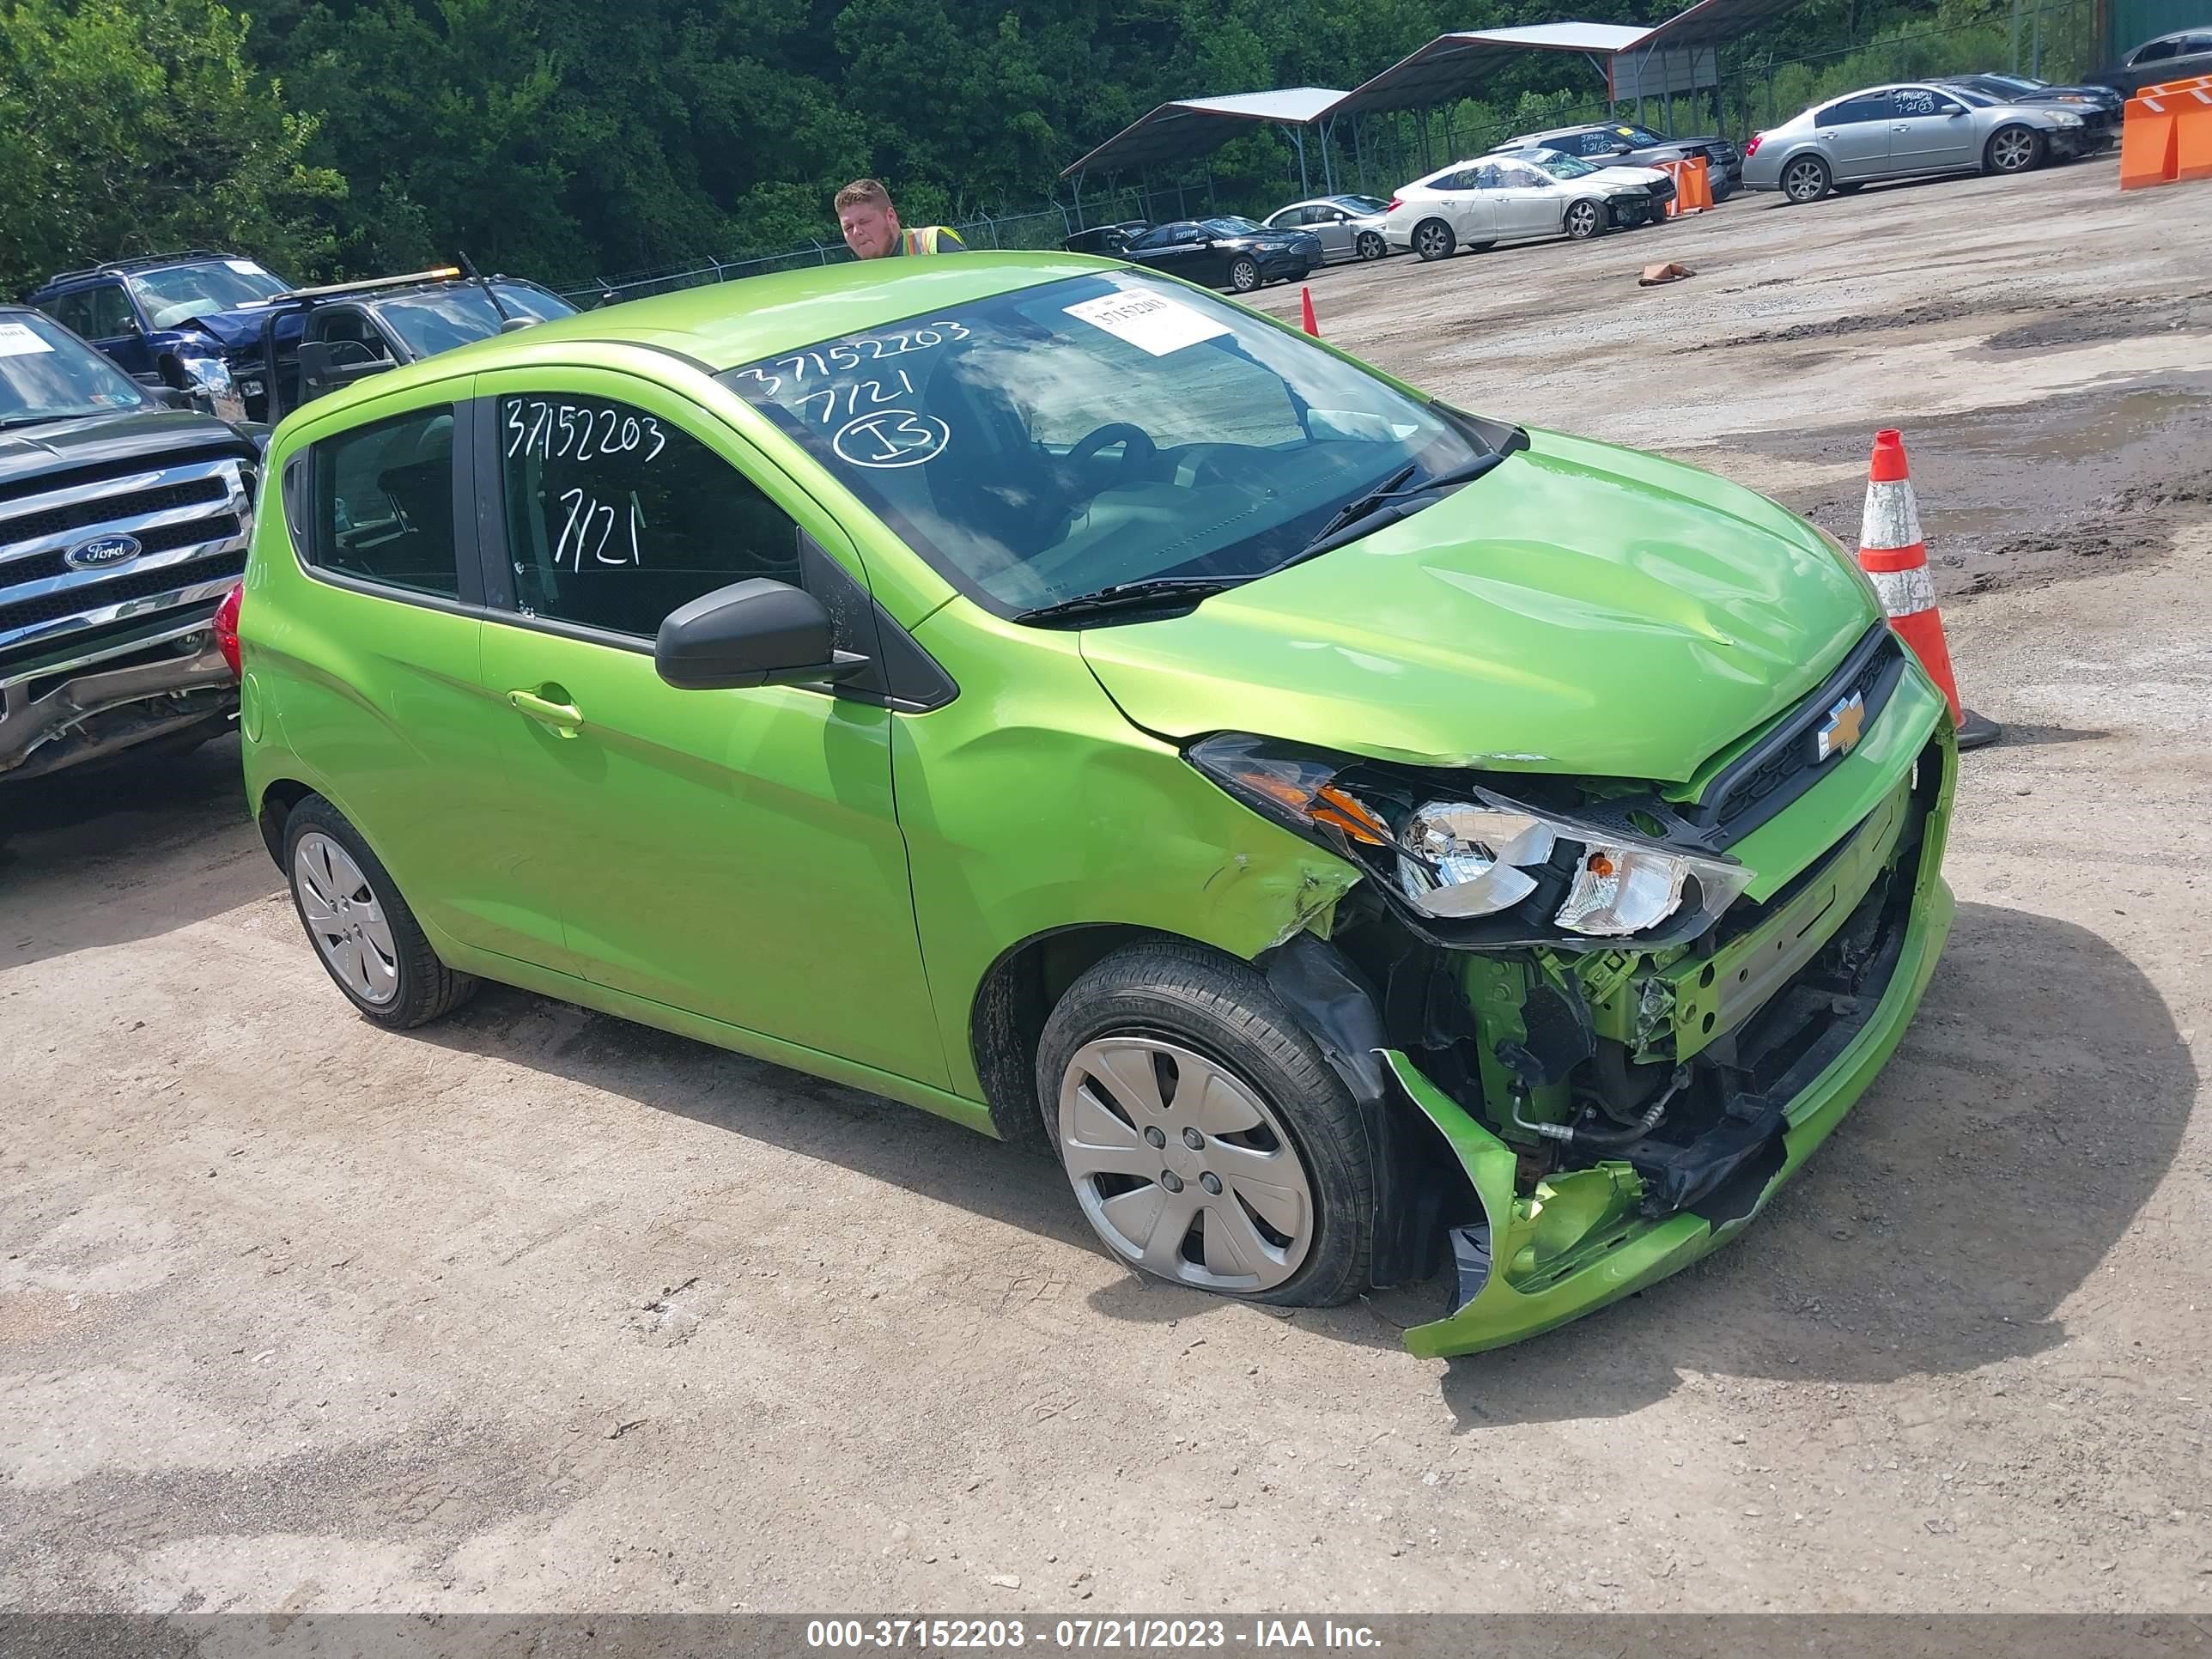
245, 267
17, 340
1150, 322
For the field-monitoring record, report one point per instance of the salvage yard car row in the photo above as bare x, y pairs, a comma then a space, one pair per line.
1582, 181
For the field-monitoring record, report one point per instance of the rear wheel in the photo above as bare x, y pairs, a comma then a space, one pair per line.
1584, 219
1807, 180
1243, 274
1435, 239
1371, 245
367, 938
1207, 1139
2013, 150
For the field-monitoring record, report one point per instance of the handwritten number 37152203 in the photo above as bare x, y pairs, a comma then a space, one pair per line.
581, 432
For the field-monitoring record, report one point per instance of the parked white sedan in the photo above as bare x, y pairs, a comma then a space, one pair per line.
1478, 204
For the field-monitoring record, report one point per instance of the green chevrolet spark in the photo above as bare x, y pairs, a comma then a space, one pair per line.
1364, 840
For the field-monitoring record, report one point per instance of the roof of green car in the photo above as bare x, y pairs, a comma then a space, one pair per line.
723, 325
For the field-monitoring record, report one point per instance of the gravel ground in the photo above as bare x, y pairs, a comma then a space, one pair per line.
538, 1310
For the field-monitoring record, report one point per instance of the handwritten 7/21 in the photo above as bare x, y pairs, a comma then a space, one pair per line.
850, 395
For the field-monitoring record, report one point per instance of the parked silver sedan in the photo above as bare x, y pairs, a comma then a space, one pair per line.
1898, 132
1350, 226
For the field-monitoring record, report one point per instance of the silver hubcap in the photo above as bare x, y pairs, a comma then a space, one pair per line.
1435, 241
1245, 276
344, 917
2013, 151
1183, 1169
1582, 218
1804, 180
1370, 247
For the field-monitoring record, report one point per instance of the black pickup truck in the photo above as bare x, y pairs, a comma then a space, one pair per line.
123, 521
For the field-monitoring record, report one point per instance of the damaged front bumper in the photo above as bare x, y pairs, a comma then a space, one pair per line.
1798, 1054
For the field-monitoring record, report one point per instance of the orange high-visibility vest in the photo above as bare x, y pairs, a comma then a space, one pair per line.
925, 241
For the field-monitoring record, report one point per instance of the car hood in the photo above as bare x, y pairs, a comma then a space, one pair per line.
1582, 609
157, 436
234, 330
1622, 177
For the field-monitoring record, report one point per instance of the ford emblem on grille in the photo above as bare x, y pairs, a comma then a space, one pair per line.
101, 552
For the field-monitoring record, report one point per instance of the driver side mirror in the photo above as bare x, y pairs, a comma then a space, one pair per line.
320, 372
1953, 109
756, 632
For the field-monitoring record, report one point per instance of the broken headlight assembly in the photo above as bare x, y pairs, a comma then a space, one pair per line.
1476, 866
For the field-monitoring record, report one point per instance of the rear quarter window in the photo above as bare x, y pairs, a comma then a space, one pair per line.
381, 503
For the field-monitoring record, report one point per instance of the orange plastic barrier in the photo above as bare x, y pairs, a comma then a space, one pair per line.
1693, 191
2166, 134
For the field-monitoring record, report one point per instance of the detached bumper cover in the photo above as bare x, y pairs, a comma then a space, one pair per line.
1580, 1239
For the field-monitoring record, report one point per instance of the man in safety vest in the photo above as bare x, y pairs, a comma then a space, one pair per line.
871, 227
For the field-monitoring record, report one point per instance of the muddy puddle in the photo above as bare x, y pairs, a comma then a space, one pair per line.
2039, 492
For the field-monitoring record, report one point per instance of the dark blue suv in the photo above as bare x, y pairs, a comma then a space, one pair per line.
173, 319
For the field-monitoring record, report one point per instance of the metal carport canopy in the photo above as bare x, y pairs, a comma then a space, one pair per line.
1192, 127
1446, 67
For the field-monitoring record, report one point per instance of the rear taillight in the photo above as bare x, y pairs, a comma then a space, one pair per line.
1751, 148
226, 626
1394, 205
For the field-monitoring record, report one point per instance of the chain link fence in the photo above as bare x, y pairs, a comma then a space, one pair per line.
1377, 153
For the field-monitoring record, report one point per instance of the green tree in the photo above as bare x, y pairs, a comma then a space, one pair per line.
136, 126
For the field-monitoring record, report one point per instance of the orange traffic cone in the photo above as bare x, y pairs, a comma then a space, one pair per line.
1305, 306
1894, 554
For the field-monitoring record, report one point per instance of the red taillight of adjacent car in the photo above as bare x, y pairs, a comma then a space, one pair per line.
1752, 147
226, 626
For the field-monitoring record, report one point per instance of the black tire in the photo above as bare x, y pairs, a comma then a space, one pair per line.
1806, 178
2015, 149
1434, 240
1222, 1009
1481, 247
1243, 274
1370, 245
1583, 219
426, 989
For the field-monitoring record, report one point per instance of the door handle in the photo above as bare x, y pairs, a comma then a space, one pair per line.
565, 718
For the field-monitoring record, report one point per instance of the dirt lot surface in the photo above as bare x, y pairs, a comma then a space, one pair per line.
539, 1310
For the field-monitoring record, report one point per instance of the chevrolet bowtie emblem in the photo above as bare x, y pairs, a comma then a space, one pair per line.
1841, 734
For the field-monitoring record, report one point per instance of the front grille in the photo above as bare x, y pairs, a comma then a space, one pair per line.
107, 509
1782, 765
163, 538
196, 509
118, 590
126, 639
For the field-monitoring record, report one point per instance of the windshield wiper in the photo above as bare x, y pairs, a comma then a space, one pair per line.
13, 420
1150, 592
1386, 504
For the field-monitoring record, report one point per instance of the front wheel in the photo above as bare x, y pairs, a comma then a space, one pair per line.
367, 938
1584, 220
1207, 1139
1370, 245
2013, 150
1806, 179
1435, 239
1243, 275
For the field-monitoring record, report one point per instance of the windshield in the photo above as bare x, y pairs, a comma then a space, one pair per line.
47, 373
1973, 100
1230, 225
1047, 443
179, 293
427, 324
1364, 204
1561, 167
